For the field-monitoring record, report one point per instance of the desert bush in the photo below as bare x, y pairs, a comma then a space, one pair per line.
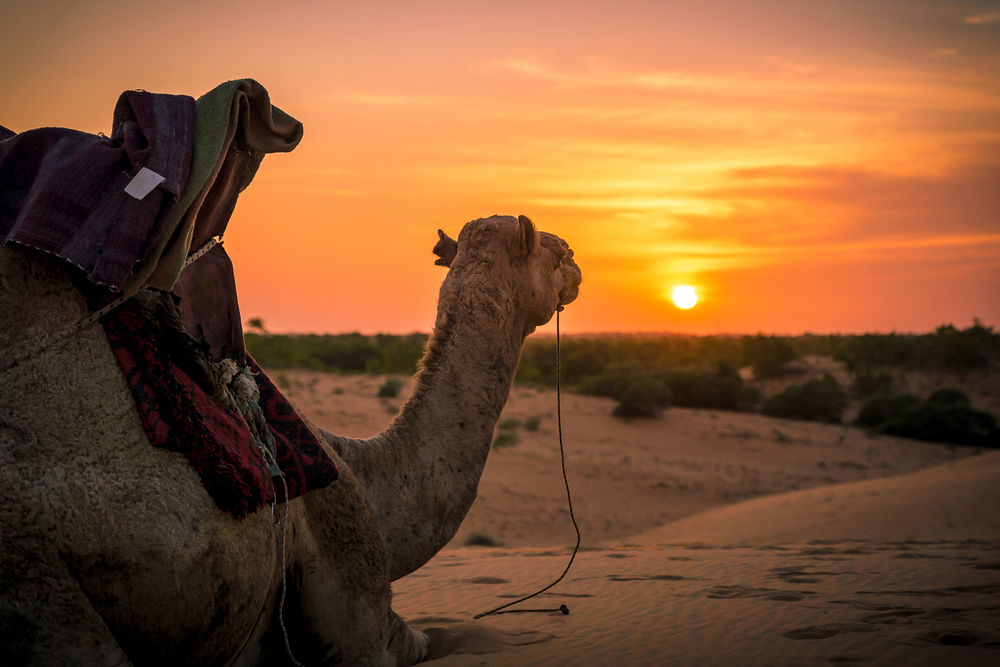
860, 354
883, 407
344, 353
947, 416
948, 347
396, 354
870, 383
506, 435
750, 397
532, 423
955, 423
613, 381
962, 349
480, 540
645, 397
948, 396
723, 389
390, 388
767, 354
505, 439
816, 400
585, 358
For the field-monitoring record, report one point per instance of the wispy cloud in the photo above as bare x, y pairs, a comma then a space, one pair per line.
769, 82
980, 19
943, 52
387, 100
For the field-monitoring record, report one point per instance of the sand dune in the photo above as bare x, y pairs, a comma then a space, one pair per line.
848, 603
710, 538
627, 477
901, 571
956, 501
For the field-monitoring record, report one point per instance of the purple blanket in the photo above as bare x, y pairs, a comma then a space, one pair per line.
63, 191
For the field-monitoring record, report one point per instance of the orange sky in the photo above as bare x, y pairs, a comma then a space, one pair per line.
808, 166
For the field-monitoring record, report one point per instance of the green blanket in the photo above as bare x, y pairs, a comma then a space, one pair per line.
235, 126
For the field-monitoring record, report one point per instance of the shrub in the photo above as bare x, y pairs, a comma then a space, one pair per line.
862, 353
390, 388
723, 389
949, 397
614, 380
480, 540
749, 397
693, 388
883, 407
767, 354
507, 433
869, 383
505, 439
343, 353
948, 347
532, 423
956, 423
644, 397
817, 400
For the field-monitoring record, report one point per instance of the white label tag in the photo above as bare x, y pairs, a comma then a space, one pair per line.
143, 183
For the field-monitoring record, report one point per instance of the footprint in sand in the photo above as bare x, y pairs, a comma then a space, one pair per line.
743, 592
828, 630
953, 638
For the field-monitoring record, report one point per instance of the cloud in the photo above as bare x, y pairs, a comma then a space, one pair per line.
376, 99
979, 19
943, 52
790, 67
827, 85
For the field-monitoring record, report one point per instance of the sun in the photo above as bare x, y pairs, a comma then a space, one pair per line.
684, 297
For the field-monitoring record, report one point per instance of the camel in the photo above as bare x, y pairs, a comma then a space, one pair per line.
113, 553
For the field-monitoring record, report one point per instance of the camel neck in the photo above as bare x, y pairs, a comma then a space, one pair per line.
422, 473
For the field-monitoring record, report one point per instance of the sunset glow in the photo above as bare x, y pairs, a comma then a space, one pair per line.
842, 154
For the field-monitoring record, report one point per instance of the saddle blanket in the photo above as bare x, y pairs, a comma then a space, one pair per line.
177, 414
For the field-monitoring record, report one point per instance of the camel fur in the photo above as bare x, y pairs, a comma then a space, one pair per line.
112, 552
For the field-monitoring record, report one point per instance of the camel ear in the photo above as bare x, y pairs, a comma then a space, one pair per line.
446, 249
525, 239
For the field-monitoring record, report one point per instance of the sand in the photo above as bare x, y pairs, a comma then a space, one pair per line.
845, 603
709, 538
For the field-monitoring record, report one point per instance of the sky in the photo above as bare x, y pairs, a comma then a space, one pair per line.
807, 166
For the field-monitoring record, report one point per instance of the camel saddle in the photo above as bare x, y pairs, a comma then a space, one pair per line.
127, 210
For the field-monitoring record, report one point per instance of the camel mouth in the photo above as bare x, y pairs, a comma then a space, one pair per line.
572, 277
571, 286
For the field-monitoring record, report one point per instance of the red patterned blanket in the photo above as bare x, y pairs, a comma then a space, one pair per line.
177, 414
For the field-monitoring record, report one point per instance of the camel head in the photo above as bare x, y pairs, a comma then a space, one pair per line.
534, 269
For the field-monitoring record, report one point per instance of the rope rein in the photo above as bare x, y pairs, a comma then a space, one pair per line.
68, 332
569, 499
270, 459
75, 328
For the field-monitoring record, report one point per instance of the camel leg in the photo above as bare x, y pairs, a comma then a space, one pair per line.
46, 620
340, 578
